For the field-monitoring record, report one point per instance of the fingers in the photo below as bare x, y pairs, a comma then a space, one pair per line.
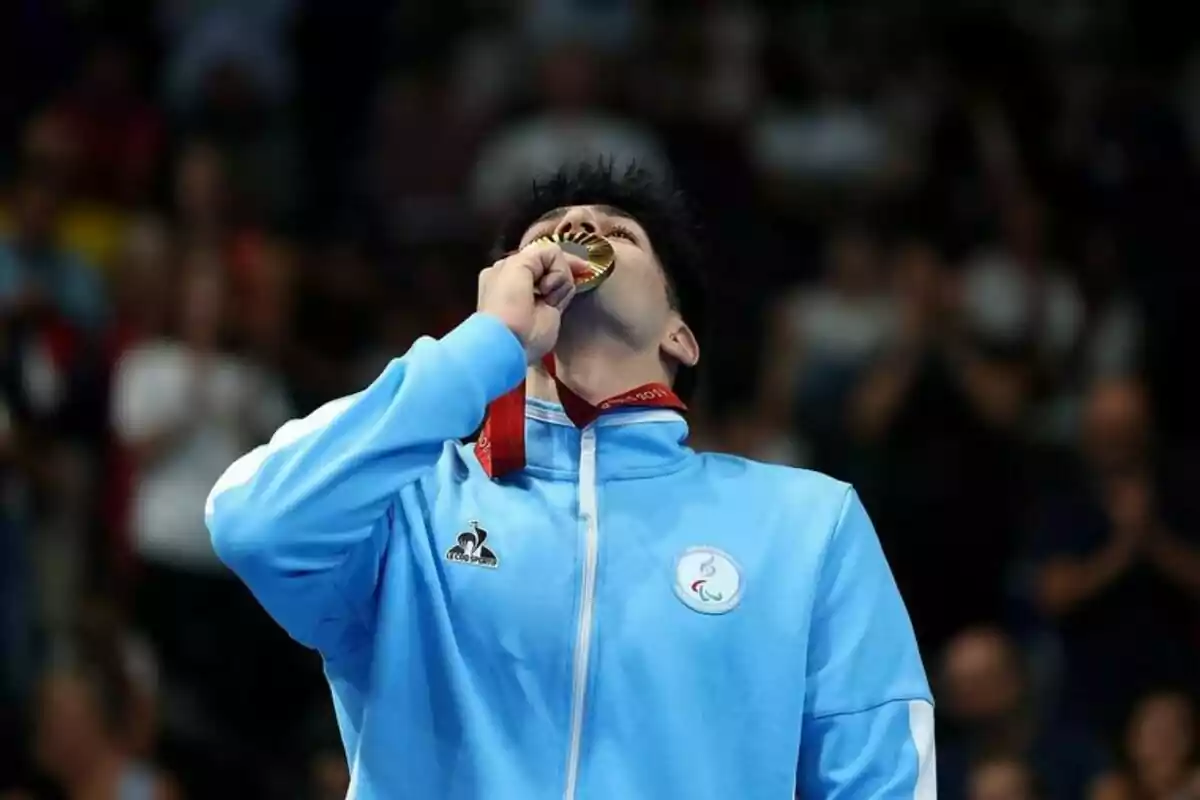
545, 267
558, 285
557, 289
545, 258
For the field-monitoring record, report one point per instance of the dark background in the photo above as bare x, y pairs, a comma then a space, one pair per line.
955, 249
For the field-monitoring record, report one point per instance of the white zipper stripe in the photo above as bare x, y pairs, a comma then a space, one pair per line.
583, 637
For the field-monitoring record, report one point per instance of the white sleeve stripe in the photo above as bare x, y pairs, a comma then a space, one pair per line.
242, 471
920, 726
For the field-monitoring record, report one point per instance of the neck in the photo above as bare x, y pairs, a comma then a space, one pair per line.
596, 371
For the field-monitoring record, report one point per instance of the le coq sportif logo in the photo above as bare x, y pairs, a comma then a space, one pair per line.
470, 548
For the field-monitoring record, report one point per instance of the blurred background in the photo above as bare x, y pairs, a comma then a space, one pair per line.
956, 252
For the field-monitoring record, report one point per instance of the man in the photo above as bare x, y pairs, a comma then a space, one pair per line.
1116, 559
988, 708
581, 607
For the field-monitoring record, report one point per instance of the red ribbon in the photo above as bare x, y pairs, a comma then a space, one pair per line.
500, 447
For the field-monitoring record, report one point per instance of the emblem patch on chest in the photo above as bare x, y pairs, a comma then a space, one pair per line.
708, 580
471, 550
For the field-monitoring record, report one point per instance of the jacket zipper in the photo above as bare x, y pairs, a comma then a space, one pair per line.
583, 636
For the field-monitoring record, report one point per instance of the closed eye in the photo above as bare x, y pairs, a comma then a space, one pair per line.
621, 232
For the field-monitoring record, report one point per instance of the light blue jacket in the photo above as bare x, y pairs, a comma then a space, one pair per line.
623, 620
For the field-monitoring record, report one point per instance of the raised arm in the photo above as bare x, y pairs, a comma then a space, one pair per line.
868, 727
305, 519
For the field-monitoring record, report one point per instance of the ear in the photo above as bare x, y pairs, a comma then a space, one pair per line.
679, 343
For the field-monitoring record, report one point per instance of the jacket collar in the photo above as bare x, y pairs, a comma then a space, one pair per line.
630, 443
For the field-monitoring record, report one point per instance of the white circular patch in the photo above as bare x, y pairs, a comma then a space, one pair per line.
707, 580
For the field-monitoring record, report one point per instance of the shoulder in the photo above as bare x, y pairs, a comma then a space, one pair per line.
800, 494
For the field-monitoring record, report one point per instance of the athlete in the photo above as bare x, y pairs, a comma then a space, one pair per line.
576, 605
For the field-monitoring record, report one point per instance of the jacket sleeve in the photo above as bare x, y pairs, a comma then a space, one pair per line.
868, 722
306, 519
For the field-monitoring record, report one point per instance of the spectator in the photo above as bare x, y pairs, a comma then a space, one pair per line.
829, 136
142, 282
824, 337
989, 711
1163, 762
1015, 296
1118, 566
52, 312
422, 196
1016, 299
229, 81
141, 303
931, 444
209, 35
184, 407
573, 127
210, 217
52, 149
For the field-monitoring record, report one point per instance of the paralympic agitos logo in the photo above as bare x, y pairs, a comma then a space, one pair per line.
700, 587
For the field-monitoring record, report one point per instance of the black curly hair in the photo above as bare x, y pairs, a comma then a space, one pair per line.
657, 205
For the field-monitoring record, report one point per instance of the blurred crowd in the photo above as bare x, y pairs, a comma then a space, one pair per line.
951, 253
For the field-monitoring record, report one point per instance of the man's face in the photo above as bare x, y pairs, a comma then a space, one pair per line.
633, 301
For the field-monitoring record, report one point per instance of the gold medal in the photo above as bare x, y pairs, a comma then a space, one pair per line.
592, 248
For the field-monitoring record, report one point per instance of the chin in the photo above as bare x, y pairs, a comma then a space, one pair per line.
605, 313
585, 309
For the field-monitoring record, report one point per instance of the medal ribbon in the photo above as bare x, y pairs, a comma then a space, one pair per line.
500, 447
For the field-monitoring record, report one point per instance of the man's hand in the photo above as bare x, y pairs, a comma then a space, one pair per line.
528, 291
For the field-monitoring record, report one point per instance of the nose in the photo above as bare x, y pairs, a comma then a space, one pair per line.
578, 218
